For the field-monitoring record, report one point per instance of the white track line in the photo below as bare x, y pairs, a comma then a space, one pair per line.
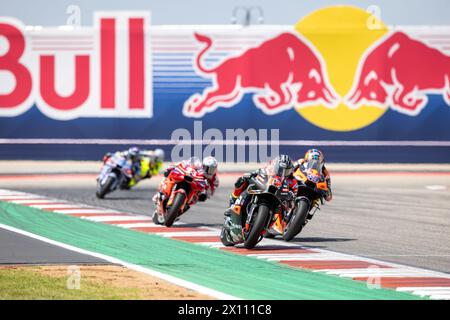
373, 272
189, 234
13, 195
211, 244
118, 218
4, 195
440, 297
379, 271
87, 211
135, 225
432, 292
298, 256
436, 187
22, 199
406, 289
52, 206
169, 278
30, 200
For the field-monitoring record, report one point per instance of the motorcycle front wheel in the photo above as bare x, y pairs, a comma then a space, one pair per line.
297, 221
174, 209
103, 189
257, 227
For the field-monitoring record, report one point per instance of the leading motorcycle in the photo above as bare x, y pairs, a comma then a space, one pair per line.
260, 205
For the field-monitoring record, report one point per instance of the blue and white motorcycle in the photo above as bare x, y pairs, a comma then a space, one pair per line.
116, 172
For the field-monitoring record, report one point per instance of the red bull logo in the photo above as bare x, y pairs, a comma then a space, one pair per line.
285, 71
399, 71
334, 69
103, 71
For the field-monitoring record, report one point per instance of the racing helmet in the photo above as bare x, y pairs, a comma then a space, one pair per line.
133, 152
209, 166
314, 154
159, 155
314, 159
282, 166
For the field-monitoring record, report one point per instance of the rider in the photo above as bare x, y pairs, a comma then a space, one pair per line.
144, 163
209, 169
209, 165
315, 158
281, 167
151, 162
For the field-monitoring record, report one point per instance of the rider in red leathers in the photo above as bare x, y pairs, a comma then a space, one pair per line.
206, 169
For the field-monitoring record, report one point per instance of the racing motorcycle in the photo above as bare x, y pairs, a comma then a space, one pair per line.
263, 202
177, 193
116, 172
312, 189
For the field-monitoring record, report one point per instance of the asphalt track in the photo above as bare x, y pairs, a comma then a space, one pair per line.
19, 249
396, 217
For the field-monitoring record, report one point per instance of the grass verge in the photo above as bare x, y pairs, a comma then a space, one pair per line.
86, 283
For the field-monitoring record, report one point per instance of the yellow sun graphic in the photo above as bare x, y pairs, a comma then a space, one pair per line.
341, 34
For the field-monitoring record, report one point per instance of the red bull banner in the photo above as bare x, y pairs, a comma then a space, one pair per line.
339, 79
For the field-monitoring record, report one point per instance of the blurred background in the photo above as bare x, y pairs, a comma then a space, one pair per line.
396, 12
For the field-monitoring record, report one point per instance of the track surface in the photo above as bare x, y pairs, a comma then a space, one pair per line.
391, 217
19, 249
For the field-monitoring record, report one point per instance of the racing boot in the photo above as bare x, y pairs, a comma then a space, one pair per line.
157, 218
232, 228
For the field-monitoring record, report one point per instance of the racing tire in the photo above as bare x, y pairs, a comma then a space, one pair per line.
257, 227
296, 223
174, 209
105, 188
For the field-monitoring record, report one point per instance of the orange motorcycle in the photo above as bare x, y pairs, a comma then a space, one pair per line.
264, 199
177, 192
312, 189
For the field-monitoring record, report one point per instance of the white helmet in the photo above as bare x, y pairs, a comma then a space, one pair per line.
209, 166
159, 155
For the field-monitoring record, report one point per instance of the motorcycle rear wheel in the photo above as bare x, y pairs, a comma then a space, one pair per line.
174, 209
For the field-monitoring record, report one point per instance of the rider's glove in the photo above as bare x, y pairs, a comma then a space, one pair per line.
166, 173
249, 175
245, 178
239, 182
